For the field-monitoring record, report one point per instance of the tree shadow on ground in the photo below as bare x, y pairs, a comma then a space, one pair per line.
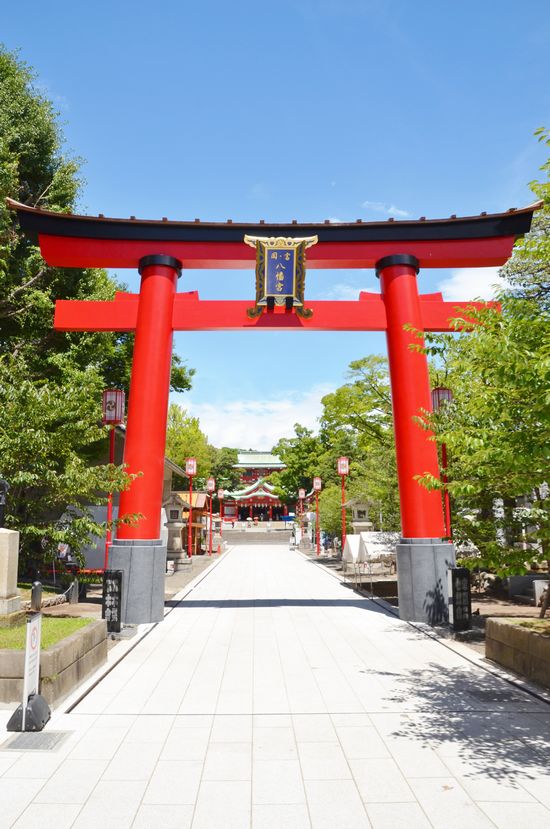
501, 731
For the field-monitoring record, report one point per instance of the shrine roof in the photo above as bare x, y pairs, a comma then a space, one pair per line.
34, 221
248, 460
259, 488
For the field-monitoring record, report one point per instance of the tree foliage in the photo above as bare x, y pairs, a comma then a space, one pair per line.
185, 439
51, 382
48, 436
355, 422
497, 429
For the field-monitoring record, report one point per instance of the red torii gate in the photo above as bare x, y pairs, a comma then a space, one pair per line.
160, 249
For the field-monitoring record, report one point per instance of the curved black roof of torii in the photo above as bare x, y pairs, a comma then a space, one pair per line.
33, 221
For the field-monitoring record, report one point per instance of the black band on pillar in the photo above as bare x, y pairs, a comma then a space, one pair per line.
397, 259
160, 259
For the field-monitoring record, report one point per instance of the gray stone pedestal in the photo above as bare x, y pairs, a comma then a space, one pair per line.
143, 564
422, 565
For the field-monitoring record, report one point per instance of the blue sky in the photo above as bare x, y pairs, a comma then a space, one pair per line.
306, 109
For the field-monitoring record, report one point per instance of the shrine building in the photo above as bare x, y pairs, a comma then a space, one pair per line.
256, 499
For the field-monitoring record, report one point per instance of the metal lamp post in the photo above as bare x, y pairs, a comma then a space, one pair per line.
190, 471
113, 415
441, 397
343, 471
210, 486
317, 484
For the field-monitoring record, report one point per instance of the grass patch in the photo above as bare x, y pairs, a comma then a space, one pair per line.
541, 626
54, 628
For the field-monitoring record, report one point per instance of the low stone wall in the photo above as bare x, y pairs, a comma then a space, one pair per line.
524, 651
62, 667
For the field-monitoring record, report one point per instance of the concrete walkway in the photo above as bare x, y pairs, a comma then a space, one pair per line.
273, 696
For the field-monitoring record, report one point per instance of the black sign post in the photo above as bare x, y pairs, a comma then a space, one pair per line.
112, 600
460, 598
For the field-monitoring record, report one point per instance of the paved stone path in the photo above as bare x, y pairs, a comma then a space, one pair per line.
274, 697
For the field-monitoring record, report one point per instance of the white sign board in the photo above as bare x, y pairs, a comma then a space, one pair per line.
353, 550
378, 544
32, 660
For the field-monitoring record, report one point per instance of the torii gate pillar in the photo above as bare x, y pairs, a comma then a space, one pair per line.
422, 558
138, 549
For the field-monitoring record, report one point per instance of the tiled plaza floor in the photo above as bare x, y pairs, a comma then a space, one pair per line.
274, 697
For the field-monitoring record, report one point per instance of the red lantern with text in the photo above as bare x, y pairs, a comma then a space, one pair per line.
343, 470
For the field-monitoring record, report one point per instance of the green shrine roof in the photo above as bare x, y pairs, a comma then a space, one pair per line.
258, 489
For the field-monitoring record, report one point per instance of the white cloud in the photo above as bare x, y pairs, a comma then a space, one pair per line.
343, 291
471, 283
387, 209
258, 424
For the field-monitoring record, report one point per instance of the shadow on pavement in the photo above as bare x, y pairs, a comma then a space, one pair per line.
500, 731
364, 604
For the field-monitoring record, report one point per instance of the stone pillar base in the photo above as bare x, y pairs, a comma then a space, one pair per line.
12, 605
12, 620
143, 564
422, 565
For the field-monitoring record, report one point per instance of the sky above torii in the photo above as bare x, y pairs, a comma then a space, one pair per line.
299, 109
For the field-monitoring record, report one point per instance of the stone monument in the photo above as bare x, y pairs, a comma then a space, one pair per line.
359, 515
10, 601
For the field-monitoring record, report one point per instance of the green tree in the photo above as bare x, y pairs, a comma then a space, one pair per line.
35, 169
46, 456
222, 467
330, 509
51, 381
357, 422
300, 455
184, 439
497, 429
